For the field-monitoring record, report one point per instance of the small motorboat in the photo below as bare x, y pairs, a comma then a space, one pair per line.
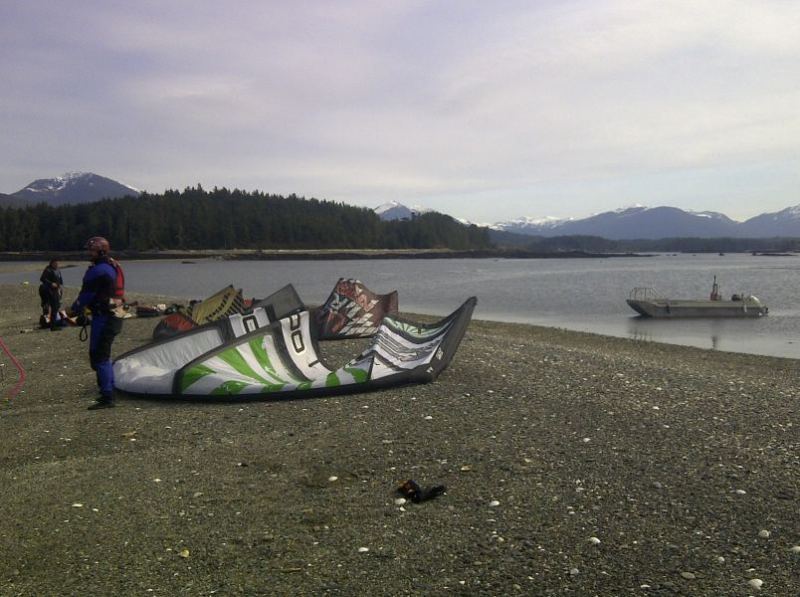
648, 303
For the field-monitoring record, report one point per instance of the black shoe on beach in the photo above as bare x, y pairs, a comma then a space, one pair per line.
101, 404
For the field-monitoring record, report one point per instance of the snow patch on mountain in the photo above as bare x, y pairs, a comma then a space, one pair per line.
636, 207
791, 212
394, 210
712, 215
530, 224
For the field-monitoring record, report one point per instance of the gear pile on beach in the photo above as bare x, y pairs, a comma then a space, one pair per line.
226, 346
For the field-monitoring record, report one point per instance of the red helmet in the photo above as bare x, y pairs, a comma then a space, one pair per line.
97, 243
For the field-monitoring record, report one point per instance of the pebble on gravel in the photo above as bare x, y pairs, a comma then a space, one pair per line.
688, 575
756, 583
795, 549
594, 540
363, 549
764, 534
494, 504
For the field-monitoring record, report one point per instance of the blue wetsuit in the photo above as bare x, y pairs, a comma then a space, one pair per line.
96, 292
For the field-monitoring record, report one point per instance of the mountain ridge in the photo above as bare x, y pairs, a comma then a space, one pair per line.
663, 222
70, 187
626, 223
642, 222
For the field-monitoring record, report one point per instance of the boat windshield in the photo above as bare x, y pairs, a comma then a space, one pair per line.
643, 293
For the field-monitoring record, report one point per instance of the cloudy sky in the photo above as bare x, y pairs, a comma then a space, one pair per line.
484, 110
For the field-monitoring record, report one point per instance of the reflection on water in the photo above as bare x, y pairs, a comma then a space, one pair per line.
752, 336
639, 332
705, 333
578, 294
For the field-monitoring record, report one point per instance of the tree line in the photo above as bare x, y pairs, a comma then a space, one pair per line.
223, 219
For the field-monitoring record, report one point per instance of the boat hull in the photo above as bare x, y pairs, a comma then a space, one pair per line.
672, 309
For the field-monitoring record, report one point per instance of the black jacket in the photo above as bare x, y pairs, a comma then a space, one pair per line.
49, 277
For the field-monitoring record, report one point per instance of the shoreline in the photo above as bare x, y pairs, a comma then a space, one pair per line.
11, 267
329, 254
574, 463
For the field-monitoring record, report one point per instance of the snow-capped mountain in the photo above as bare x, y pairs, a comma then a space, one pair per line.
72, 187
780, 223
397, 211
532, 226
632, 222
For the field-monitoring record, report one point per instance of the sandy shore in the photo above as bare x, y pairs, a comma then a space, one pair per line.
575, 464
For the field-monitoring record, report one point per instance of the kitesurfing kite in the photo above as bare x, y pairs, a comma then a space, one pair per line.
353, 311
226, 302
269, 352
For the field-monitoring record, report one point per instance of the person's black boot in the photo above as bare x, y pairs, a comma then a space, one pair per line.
102, 402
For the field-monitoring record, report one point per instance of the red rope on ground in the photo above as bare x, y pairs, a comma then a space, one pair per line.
15, 390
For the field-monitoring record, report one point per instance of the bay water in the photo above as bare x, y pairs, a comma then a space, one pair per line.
586, 294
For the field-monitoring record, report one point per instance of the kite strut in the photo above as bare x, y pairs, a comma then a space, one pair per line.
15, 390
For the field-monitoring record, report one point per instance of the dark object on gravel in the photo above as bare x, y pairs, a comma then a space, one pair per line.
101, 403
411, 490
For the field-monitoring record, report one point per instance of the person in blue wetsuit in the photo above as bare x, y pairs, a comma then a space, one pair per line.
97, 294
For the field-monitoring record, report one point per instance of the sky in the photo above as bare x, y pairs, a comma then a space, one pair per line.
487, 111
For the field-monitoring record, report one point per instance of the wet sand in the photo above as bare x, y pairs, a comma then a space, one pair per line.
575, 464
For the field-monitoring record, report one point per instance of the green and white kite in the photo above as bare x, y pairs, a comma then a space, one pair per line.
269, 351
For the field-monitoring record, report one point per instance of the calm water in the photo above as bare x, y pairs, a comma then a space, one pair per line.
577, 294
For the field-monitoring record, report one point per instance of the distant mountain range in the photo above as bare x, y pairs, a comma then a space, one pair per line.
623, 224
641, 222
661, 222
72, 187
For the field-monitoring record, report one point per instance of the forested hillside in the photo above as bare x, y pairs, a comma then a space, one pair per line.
223, 219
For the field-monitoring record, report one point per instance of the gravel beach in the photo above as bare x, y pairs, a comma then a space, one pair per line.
575, 464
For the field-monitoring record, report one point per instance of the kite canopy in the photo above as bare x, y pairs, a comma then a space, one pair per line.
172, 324
353, 311
269, 352
225, 302
220, 304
